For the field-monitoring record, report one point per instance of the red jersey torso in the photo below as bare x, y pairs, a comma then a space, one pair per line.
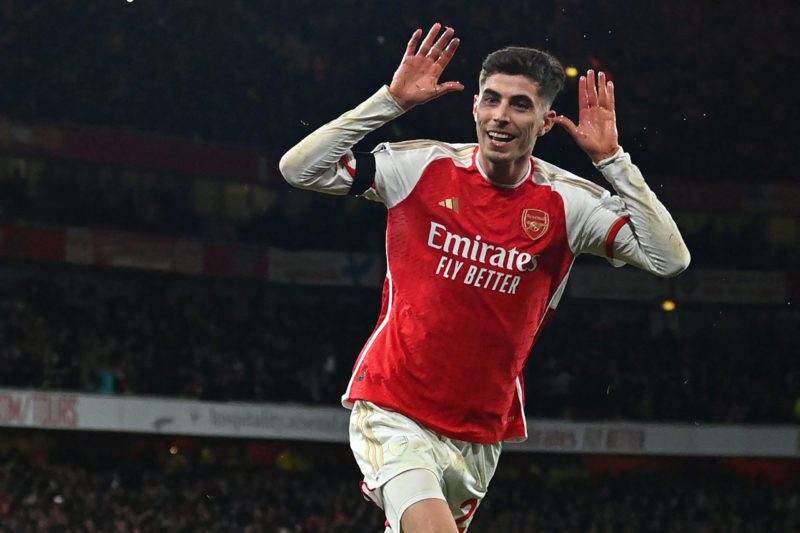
473, 270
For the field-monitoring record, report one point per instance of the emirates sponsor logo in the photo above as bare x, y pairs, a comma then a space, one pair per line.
477, 250
535, 223
488, 266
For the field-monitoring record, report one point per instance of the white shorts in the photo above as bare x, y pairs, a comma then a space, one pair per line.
386, 444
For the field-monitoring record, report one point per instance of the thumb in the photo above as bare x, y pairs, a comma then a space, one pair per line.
448, 87
567, 124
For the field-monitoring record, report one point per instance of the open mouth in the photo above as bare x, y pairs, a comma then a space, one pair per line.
500, 138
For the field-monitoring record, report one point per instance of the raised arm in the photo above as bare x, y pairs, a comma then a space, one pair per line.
323, 160
650, 240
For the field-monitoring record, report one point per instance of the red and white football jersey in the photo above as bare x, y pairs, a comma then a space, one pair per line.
473, 271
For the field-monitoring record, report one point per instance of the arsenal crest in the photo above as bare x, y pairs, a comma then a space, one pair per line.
535, 223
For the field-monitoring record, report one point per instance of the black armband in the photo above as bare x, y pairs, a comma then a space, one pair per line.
365, 173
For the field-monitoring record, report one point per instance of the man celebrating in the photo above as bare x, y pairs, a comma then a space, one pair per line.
480, 240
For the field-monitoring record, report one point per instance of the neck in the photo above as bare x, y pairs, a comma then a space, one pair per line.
508, 174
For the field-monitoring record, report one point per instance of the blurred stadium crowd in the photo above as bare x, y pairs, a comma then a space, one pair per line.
144, 492
693, 107
50, 193
310, 489
148, 334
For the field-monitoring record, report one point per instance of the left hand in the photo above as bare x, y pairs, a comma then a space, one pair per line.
596, 132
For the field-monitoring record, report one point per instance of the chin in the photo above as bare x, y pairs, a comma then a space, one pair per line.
498, 157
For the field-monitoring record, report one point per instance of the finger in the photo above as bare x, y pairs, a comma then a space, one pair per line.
449, 87
567, 124
425, 47
591, 89
602, 90
582, 96
610, 100
448, 52
412, 43
441, 42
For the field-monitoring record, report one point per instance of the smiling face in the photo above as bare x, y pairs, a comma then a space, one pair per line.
509, 117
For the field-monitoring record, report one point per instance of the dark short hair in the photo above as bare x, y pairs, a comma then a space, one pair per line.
532, 63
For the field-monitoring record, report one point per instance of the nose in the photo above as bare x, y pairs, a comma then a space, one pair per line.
500, 113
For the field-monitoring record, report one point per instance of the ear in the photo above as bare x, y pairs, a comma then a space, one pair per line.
475, 108
549, 122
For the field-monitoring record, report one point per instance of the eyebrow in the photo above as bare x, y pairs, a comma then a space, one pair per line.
517, 98
522, 99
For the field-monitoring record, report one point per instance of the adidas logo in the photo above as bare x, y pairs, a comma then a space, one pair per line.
450, 203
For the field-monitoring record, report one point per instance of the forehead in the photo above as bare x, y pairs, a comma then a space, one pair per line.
509, 85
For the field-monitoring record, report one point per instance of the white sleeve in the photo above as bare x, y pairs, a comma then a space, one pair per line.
323, 161
650, 240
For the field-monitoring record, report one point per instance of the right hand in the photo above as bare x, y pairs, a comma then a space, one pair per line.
416, 80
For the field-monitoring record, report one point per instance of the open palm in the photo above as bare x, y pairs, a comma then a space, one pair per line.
416, 80
596, 131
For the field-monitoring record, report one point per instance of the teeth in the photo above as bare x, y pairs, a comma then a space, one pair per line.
500, 136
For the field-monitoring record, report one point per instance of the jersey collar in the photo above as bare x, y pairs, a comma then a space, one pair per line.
528, 173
